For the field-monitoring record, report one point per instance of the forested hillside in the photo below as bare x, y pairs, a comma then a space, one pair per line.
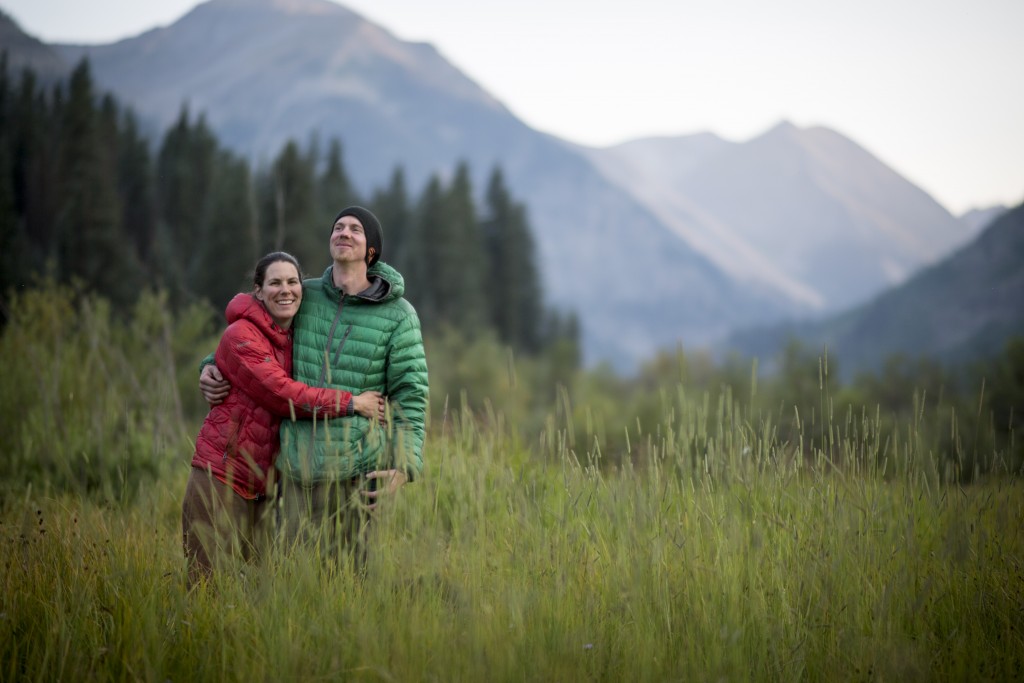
87, 200
264, 72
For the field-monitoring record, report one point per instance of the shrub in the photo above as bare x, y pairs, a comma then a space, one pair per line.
90, 403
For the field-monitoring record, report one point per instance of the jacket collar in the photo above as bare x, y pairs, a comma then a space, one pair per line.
386, 284
245, 306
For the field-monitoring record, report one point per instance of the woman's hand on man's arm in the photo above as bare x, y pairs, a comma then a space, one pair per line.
370, 404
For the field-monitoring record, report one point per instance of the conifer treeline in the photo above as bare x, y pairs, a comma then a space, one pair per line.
84, 198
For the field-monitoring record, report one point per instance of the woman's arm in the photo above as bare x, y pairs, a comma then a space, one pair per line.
246, 359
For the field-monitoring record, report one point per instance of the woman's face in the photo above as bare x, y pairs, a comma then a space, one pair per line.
281, 292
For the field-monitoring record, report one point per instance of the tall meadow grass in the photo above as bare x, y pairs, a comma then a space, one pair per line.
704, 542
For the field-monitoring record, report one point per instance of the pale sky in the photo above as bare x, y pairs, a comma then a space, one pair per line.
934, 88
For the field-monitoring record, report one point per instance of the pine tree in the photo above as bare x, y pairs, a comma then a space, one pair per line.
90, 245
334, 189
208, 239
391, 206
446, 258
232, 247
459, 272
426, 250
513, 283
34, 168
136, 187
14, 261
294, 219
185, 172
24, 237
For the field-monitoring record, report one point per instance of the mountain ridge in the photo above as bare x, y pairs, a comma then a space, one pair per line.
805, 211
297, 86
27, 52
961, 308
640, 271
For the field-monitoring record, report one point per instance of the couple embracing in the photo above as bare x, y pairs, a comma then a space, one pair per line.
318, 391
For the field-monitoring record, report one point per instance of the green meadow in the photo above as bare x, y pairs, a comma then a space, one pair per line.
701, 537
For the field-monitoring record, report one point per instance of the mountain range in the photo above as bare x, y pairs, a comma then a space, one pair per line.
960, 309
653, 243
23, 51
803, 211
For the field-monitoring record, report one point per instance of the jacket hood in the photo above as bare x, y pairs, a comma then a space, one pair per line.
386, 283
245, 306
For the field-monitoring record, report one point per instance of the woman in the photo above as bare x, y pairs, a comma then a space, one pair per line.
226, 509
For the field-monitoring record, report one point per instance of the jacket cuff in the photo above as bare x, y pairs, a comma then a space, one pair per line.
351, 409
208, 360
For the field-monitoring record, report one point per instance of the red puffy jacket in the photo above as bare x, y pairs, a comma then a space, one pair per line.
238, 441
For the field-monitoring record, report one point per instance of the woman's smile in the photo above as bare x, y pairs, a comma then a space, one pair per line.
281, 292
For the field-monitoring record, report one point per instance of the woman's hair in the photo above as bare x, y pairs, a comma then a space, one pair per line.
260, 272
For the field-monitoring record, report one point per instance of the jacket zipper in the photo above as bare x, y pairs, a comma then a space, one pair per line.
341, 345
323, 368
330, 338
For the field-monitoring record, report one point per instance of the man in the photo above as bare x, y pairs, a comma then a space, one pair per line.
355, 332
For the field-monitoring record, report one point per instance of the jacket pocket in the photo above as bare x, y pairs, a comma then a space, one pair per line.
234, 433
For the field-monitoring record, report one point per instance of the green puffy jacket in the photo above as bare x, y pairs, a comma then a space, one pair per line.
368, 342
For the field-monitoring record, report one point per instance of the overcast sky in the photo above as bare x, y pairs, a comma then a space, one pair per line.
931, 87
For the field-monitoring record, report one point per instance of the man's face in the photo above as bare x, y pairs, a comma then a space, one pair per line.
348, 241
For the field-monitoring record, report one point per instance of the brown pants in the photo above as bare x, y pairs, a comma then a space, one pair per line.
330, 518
219, 526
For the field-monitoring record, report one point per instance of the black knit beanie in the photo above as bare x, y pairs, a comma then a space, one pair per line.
372, 229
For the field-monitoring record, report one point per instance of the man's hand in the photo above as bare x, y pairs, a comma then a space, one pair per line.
213, 386
388, 483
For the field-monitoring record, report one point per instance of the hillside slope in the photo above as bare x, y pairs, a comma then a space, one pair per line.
803, 210
264, 71
964, 307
